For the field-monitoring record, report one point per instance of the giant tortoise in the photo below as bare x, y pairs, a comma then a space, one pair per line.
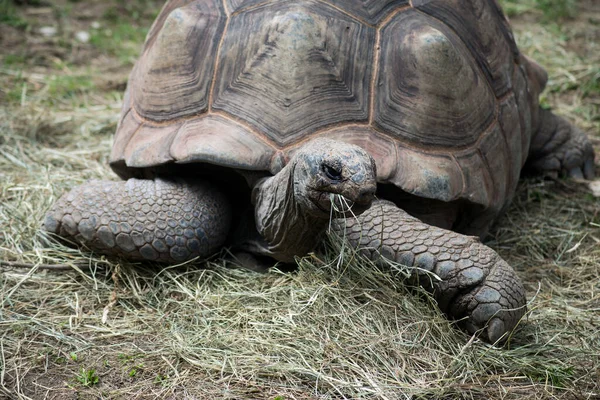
246, 121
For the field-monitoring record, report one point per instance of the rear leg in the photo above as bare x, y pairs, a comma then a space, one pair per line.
560, 148
159, 220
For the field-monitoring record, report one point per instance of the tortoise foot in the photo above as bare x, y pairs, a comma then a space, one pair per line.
561, 149
470, 282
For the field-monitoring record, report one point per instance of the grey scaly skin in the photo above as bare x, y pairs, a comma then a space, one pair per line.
560, 148
164, 220
172, 220
475, 285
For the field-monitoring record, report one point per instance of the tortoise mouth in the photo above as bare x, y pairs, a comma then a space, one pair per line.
338, 204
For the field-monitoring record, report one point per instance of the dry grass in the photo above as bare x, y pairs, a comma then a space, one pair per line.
335, 328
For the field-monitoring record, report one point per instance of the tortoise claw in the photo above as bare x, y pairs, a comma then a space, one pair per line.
496, 331
588, 169
576, 173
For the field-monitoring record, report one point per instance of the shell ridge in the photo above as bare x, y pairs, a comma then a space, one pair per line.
211, 90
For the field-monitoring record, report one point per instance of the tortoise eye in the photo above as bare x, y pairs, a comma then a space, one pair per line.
332, 173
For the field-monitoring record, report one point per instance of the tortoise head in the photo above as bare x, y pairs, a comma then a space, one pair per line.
331, 174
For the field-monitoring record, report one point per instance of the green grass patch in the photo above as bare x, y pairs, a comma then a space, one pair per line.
121, 40
68, 88
15, 89
136, 10
559, 377
551, 10
125, 27
557, 9
14, 60
87, 377
53, 90
9, 15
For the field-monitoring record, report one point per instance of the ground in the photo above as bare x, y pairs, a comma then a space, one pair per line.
336, 328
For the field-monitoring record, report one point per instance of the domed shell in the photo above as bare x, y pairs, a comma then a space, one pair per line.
432, 89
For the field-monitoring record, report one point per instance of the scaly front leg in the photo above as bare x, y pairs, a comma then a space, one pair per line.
159, 220
475, 285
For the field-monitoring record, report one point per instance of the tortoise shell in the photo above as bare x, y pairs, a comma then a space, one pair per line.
435, 91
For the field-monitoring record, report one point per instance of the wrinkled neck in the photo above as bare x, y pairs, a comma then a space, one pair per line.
287, 227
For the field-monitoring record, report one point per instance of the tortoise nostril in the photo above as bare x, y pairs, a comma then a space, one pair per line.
366, 195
